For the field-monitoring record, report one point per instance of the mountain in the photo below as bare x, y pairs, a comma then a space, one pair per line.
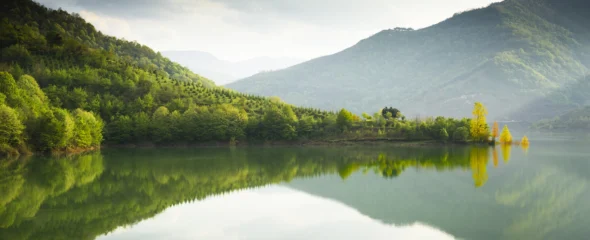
224, 72
506, 55
574, 120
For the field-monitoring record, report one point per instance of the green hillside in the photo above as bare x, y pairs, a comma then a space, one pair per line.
62, 81
505, 55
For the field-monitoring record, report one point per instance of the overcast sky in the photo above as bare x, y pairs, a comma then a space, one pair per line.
242, 29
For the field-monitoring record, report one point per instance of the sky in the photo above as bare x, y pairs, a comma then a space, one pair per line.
236, 30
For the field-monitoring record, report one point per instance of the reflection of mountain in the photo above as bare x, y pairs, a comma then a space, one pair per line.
523, 201
89, 195
85, 196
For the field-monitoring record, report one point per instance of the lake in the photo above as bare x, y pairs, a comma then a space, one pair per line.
356, 192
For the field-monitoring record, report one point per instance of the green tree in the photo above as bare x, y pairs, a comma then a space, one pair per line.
344, 120
161, 125
444, 135
9, 89
11, 129
461, 134
277, 125
88, 130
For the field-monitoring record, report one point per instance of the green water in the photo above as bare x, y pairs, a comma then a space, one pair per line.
302, 193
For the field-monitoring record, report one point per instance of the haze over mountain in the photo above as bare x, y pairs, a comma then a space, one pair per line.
508, 55
224, 72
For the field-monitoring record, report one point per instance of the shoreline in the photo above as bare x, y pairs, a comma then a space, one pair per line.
309, 143
371, 142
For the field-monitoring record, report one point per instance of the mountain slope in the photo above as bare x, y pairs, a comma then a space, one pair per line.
505, 55
574, 120
223, 72
61, 79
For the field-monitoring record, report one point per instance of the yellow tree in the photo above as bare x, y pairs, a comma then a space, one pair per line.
525, 141
506, 137
495, 130
479, 127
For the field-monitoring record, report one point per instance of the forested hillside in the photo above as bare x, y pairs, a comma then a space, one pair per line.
55, 65
507, 55
575, 120
65, 87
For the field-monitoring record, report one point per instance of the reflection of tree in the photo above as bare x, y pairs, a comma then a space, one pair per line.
506, 152
478, 159
495, 156
86, 196
544, 204
525, 148
29, 184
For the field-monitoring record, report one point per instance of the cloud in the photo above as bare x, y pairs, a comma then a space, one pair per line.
242, 29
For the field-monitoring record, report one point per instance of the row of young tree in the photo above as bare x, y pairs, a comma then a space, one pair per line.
480, 131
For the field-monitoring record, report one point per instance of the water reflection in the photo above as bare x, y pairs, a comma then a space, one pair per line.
89, 195
270, 213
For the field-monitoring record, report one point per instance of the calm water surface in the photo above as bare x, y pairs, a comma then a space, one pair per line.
302, 193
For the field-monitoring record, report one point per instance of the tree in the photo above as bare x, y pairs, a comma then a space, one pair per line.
461, 134
11, 128
505, 137
305, 127
444, 135
88, 130
395, 113
161, 125
367, 117
121, 129
8, 88
479, 127
495, 130
277, 125
525, 141
344, 119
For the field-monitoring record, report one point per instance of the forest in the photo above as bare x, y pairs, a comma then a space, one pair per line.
67, 87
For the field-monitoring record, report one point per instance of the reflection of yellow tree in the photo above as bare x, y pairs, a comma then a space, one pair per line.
495, 157
506, 152
525, 149
479, 161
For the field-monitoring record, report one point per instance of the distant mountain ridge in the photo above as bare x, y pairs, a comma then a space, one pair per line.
223, 72
506, 55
